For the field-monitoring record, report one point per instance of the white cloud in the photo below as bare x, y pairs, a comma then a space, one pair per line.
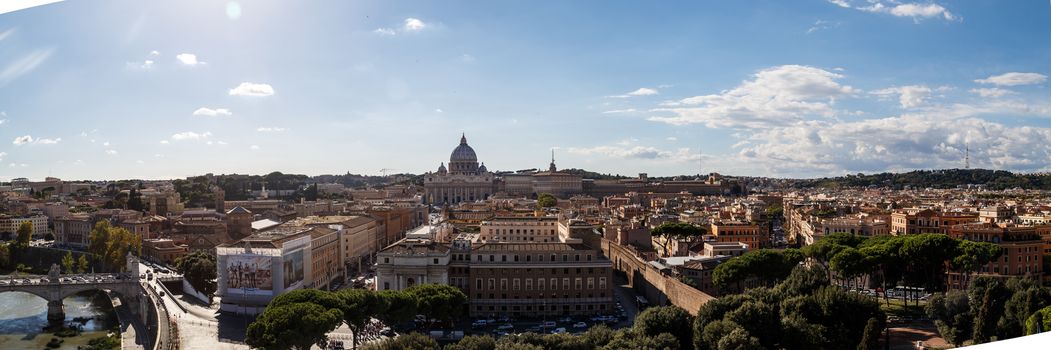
911, 141
914, 10
155, 53
822, 25
252, 89
269, 129
48, 141
21, 140
672, 138
409, 25
1013, 79
24, 65
190, 135
164, 142
775, 96
638, 92
188, 59
908, 96
438, 110
13, 165
111, 152
991, 92
105, 144
414, 25
208, 112
253, 147
620, 111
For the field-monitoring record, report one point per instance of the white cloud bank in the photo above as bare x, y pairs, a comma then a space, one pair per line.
252, 89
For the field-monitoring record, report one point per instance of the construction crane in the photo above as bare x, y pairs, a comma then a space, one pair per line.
385, 170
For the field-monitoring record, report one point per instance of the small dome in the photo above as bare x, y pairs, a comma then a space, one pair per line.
482, 168
441, 168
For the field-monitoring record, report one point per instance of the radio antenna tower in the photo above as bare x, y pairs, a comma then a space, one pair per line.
967, 157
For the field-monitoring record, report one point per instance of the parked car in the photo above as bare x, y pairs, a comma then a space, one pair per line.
548, 324
559, 330
506, 326
580, 325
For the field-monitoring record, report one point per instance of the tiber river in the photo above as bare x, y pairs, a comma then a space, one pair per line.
23, 317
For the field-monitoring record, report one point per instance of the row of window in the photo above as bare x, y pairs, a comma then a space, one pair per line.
539, 257
540, 283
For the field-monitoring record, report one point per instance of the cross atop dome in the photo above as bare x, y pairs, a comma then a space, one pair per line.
463, 138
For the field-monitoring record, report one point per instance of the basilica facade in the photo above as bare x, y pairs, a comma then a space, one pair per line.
464, 180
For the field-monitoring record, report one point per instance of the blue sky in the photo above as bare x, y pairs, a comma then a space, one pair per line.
163, 89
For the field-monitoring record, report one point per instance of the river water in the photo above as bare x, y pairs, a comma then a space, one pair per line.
23, 317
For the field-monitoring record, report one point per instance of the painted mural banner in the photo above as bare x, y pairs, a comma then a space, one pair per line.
249, 274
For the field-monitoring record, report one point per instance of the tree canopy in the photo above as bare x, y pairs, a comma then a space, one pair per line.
199, 269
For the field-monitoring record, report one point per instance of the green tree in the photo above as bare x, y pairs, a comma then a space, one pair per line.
987, 296
199, 269
677, 231
974, 255
411, 341
439, 301
292, 326
5, 255
359, 306
82, 264
400, 307
1039, 322
1027, 296
850, 263
951, 313
112, 244
25, 235
739, 339
666, 319
68, 264
473, 342
546, 200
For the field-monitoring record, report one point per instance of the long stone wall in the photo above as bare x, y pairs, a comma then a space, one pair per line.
657, 288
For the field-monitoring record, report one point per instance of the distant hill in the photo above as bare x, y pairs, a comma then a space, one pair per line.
947, 178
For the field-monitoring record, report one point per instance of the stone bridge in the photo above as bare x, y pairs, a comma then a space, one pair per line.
54, 287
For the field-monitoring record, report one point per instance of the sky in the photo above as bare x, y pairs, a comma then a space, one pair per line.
124, 89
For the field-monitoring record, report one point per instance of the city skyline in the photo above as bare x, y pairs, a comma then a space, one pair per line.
154, 90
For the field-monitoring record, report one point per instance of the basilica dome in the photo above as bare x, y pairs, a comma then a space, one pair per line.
463, 153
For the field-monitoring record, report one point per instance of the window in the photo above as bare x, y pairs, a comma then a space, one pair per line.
565, 284
503, 284
576, 257
565, 257
540, 284
386, 260
478, 283
589, 257
577, 282
602, 283
529, 257
529, 284
503, 258
436, 261
492, 258
515, 285
386, 285
554, 284
591, 283
492, 283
